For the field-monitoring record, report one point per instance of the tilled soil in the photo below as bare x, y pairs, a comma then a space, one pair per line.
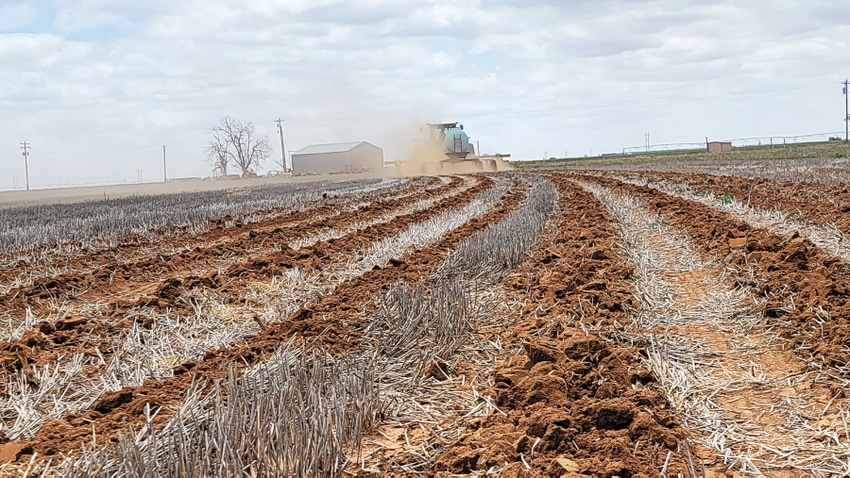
806, 304
139, 248
818, 203
111, 272
783, 268
573, 403
93, 335
331, 323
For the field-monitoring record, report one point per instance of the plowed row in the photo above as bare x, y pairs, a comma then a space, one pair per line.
159, 281
572, 401
785, 267
818, 203
138, 247
575, 390
327, 322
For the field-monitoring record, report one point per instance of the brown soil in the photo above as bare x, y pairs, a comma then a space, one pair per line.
137, 248
783, 268
137, 260
333, 323
584, 406
818, 203
570, 402
162, 288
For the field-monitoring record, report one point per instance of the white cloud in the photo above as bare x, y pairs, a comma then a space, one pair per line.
105, 83
15, 15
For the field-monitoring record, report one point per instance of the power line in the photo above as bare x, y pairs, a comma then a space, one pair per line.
283, 165
553, 107
25, 148
846, 112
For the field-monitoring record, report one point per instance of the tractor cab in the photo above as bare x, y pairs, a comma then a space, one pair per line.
455, 141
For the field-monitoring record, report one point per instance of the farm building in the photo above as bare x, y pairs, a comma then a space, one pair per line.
355, 156
719, 147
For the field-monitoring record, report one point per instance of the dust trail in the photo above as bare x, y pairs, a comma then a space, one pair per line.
426, 157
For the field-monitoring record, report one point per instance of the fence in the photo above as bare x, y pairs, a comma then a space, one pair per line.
764, 141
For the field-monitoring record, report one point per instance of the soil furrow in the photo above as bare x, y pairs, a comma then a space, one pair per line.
818, 203
784, 270
209, 250
159, 342
75, 253
93, 335
332, 323
795, 382
825, 236
135, 251
572, 402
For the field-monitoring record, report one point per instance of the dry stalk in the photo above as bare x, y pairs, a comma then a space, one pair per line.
302, 413
825, 236
41, 235
723, 367
143, 353
424, 331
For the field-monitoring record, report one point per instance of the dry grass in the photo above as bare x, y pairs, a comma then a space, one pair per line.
783, 223
304, 413
724, 368
151, 352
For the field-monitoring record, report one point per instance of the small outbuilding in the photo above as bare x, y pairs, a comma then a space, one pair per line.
352, 157
717, 147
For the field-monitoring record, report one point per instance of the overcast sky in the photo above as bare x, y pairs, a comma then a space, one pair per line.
98, 86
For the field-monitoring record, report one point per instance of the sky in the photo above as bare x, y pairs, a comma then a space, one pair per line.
99, 86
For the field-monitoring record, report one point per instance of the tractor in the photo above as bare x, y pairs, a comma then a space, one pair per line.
457, 148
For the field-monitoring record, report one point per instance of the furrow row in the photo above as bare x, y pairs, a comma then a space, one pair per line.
332, 323
749, 342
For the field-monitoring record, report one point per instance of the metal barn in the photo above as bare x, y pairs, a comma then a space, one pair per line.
353, 157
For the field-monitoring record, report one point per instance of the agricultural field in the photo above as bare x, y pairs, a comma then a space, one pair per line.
612, 322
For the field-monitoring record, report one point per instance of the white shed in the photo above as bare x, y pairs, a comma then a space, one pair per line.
352, 157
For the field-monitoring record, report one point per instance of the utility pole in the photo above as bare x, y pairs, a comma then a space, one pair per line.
25, 147
164, 169
283, 165
846, 112
646, 140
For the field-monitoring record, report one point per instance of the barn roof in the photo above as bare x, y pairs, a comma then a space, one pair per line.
329, 148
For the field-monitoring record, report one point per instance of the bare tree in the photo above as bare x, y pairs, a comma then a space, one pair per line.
237, 144
217, 151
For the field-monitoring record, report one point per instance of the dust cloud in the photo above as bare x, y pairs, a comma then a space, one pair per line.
414, 153
408, 147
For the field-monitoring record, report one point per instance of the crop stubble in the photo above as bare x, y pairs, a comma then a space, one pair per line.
95, 339
330, 323
50, 256
805, 305
570, 400
137, 262
815, 202
161, 285
570, 397
785, 268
